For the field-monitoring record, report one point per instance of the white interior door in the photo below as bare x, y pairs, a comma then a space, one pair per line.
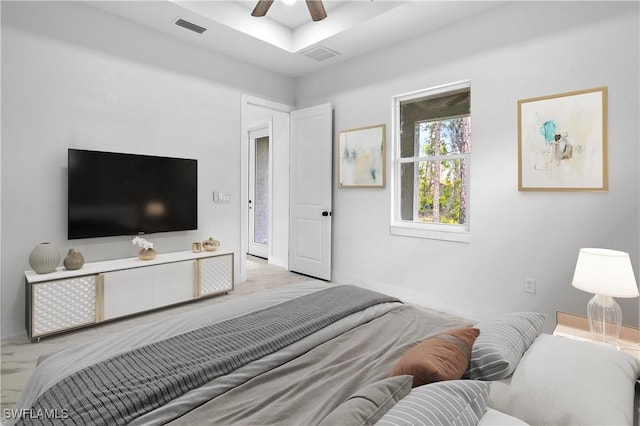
259, 193
310, 191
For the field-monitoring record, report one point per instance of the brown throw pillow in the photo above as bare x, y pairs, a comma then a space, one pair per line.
442, 357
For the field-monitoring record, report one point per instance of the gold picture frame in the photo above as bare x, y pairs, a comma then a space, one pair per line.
562, 142
361, 157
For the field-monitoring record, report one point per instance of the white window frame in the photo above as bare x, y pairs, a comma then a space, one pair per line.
437, 231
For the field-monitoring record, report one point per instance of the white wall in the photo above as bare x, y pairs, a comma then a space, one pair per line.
73, 76
76, 77
516, 51
0, 166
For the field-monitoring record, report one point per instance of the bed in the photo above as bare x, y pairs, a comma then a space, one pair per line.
324, 354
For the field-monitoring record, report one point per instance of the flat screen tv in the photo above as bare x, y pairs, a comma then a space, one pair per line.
128, 194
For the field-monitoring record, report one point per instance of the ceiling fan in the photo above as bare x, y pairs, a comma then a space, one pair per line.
316, 9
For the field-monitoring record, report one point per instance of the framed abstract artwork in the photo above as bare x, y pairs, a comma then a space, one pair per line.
361, 157
562, 142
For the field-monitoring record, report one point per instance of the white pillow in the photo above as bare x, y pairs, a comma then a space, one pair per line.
562, 381
497, 418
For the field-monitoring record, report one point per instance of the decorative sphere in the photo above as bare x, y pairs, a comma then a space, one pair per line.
44, 258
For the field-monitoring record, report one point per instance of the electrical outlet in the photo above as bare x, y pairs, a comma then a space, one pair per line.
530, 285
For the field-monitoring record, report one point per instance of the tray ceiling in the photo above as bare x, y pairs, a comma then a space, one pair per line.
287, 41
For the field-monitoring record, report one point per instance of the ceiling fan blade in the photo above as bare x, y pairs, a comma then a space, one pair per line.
316, 9
262, 8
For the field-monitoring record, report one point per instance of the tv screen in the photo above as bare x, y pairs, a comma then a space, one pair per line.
127, 194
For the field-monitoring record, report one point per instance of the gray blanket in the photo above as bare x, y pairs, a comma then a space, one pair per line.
311, 385
150, 376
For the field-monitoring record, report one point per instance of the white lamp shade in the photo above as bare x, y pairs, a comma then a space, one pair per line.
605, 272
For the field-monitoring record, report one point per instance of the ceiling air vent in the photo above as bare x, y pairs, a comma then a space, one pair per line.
190, 26
319, 53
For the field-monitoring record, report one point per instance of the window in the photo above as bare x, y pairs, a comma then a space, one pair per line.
431, 163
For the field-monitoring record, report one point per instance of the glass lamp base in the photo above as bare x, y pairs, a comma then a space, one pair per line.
605, 319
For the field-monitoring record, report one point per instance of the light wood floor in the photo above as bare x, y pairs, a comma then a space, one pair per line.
19, 355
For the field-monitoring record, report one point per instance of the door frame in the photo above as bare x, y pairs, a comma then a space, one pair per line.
255, 112
254, 134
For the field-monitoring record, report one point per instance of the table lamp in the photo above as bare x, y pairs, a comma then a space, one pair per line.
607, 274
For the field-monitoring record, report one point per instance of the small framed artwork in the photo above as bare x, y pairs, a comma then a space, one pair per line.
361, 157
562, 142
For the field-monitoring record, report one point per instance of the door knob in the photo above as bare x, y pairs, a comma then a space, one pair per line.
326, 213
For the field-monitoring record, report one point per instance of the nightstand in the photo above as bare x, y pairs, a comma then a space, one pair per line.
577, 327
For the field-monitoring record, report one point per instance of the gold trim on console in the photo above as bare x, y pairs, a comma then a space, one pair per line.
99, 298
197, 289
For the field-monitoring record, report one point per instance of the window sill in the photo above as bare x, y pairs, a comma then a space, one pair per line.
431, 231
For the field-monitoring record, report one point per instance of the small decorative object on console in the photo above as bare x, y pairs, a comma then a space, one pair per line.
196, 247
147, 252
74, 260
210, 244
44, 258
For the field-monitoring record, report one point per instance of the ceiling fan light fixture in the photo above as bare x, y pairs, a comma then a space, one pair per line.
316, 8
262, 7
289, 2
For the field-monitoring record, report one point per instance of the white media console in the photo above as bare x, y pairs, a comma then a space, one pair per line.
63, 300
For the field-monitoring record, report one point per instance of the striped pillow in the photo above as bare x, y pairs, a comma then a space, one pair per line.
460, 402
502, 342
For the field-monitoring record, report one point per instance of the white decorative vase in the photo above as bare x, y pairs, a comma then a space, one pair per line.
44, 258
